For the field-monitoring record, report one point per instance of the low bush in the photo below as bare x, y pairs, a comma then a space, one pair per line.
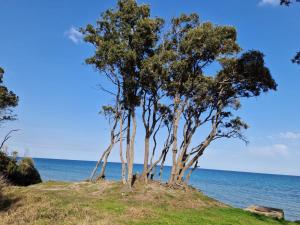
3, 183
21, 173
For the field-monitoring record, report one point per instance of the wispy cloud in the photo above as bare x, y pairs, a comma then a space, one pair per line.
269, 2
289, 135
74, 35
270, 151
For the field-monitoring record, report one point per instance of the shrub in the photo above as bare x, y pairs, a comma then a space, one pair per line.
3, 183
28, 174
22, 173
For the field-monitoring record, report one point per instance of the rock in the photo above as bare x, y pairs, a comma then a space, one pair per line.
266, 211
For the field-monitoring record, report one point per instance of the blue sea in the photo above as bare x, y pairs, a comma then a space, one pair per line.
238, 189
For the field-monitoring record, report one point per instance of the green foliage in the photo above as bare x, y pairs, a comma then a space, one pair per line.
8, 100
123, 39
166, 75
21, 173
296, 59
28, 174
3, 183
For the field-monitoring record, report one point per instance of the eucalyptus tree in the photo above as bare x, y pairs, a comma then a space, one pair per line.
166, 77
199, 98
155, 110
296, 58
8, 100
192, 46
242, 77
123, 39
287, 2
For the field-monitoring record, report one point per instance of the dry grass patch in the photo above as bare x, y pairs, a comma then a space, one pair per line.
106, 203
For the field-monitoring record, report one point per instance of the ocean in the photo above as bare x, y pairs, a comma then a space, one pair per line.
238, 189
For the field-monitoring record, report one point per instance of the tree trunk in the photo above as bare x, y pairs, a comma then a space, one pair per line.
146, 157
121, 152
103, 167
174, 148
99, 162
131, 153
162, 166
188, 176
128, 143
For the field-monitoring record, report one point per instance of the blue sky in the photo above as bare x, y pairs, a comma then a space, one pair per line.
43, 56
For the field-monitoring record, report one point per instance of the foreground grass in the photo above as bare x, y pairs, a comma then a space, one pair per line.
112, 203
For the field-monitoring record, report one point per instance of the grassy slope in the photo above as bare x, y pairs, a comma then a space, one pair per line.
112, 203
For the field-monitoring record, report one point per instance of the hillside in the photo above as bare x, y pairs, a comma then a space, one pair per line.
112, 203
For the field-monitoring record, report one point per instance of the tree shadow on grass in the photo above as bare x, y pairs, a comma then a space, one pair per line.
7, 202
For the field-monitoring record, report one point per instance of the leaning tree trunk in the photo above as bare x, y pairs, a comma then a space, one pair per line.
106, 153
103, 167
188, 176
99, 162
200, 151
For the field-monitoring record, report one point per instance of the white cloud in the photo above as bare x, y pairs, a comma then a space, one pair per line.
74, 35
270, 151
269, 2
289, 135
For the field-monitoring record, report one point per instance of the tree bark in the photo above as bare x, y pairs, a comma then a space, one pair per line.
99, 162
121, 152
103, 167
188, 176
128, 144
131, 149
146, 157
175, 131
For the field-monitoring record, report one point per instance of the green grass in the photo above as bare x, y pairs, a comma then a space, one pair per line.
113, 203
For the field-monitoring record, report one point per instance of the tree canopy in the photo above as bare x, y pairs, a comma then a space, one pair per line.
162, 72
296, 58
8, 100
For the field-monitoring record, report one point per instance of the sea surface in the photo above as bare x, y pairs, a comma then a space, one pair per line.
238, 189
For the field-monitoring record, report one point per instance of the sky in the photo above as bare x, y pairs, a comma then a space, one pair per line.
43, 55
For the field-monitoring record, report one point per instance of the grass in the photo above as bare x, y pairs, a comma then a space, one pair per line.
113, 203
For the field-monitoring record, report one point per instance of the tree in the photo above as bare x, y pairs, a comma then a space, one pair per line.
8, 100
296, 58
124, 38
242, 77
165, 78
199, 98
287, 2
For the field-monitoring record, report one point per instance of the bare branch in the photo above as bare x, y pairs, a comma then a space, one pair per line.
7, 137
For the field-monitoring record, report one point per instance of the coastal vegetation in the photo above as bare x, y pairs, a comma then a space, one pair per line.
11, 171
296, 58
181, 80
8, 100
185, 78
18, 172
107, 202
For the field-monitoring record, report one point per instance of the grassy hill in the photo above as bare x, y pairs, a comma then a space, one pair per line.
113, 203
